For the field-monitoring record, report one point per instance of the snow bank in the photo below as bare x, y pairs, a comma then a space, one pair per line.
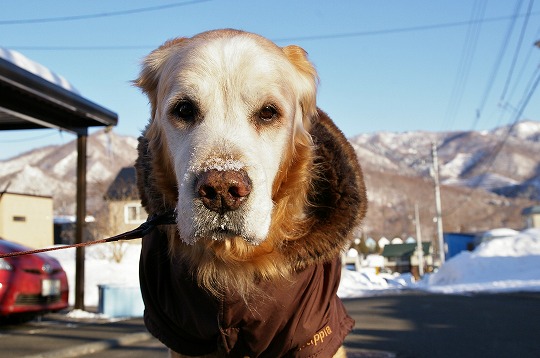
500, 265
499, 233
358, 284
367, 283
80, 314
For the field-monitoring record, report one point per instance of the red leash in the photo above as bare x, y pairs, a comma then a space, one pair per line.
166, 218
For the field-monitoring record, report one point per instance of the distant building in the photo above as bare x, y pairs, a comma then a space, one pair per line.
532, 216
403, 257
26, 219
125, 211
65, 226
458, 242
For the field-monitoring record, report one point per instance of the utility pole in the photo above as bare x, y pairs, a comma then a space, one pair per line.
81, 216
419, 248
438, 210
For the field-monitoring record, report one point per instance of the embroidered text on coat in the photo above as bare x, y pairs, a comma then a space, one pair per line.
318, 337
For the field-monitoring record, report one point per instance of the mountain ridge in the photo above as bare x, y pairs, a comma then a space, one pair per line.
479, 191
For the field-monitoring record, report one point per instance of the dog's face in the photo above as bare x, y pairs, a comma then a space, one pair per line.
229, 109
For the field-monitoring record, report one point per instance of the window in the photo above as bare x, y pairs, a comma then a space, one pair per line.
134, 214
19, 218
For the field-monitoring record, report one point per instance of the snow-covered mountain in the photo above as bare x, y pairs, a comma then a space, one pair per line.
51, 170
480, 190
505, 160
487, 179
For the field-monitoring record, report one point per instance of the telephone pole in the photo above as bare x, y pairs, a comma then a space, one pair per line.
438, 210
419, 247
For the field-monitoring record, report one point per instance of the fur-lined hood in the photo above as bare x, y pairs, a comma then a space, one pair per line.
337, 198
299, 316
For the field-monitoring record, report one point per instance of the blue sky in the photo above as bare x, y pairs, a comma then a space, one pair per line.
391, 65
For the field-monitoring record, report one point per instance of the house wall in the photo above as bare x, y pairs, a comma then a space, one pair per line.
120, 218
27, 219
533, 221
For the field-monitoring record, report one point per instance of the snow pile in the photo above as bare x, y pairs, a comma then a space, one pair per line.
510, 263
37, 69
357, 284
367, 283
367, 280
499, 233
80, 314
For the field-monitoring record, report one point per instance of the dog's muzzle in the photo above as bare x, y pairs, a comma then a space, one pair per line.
223, 191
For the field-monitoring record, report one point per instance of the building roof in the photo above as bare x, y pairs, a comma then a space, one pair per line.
400, 250
124, 186
31, 100
38, 69
531, 210
2, 193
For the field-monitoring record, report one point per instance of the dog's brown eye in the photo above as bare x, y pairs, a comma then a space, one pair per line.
267, 113
184, 110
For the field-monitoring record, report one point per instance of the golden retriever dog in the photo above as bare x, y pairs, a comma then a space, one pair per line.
266, 192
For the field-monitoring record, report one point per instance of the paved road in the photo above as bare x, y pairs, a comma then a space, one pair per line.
57, 336
391, 326
420, 325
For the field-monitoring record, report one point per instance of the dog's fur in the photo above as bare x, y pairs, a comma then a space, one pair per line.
233, 102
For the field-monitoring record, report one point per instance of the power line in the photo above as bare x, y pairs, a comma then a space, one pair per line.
523, 67
491, 156
84, 48
32, 138
497, 64
500, 145
99, 15
493, 153
286, 39
529, 93
397, 30
517, 51
462, 75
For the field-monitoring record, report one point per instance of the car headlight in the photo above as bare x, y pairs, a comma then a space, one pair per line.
4, 265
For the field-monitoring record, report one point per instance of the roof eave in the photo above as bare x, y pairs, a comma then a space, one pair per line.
66, 110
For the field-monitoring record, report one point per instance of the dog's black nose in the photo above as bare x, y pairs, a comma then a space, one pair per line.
223, 191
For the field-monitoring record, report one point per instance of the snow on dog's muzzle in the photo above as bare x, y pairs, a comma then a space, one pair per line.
223, 191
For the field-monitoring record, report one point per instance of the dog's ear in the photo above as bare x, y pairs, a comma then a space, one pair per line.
152, 67
309, 79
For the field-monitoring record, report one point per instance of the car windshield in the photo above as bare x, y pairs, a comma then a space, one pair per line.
8, 246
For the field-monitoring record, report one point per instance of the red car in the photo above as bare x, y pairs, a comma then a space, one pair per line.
30, 284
